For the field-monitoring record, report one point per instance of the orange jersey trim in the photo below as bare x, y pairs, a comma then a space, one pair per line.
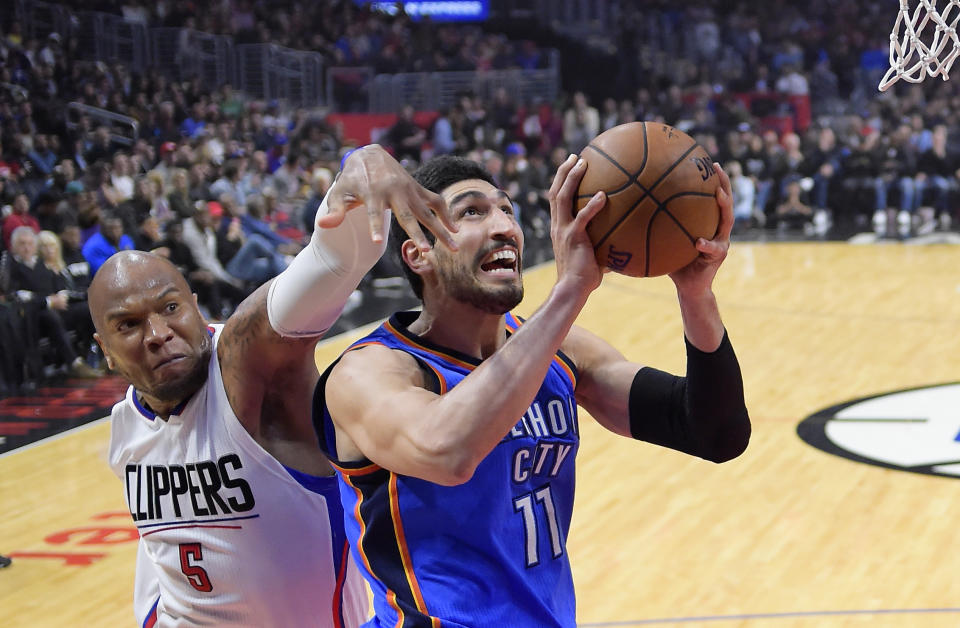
405, 551
364, 470
439, 354
391, 596
566, 369
392, 600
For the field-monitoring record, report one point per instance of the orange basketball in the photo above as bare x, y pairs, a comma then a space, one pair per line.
661, 197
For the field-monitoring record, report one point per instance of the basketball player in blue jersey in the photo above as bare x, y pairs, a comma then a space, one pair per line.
454, 430
238, 510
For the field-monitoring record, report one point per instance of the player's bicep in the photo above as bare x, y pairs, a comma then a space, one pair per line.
255, 359
379, 400
604, 377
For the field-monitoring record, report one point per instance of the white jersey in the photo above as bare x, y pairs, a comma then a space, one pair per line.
228, 535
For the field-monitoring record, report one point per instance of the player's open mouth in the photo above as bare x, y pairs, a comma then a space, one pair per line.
500, 262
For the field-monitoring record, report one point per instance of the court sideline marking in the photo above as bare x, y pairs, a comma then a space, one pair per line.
786, 615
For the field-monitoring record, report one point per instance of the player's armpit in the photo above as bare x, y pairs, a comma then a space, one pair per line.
604, 377
383, 411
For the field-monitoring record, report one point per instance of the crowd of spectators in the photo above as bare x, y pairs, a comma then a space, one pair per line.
789, 92
227, 186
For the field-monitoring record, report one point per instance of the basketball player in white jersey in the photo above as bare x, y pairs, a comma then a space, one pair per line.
238, 512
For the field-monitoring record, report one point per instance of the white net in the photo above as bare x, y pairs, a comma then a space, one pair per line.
923, 41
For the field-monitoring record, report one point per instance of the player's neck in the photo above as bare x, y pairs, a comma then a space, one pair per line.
462, 328
162, 408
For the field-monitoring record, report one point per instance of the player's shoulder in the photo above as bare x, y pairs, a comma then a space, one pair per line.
373, 357
123, 407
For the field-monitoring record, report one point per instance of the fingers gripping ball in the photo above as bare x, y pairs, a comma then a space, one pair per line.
661, 197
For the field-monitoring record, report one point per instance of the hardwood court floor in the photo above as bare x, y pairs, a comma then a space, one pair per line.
785, 536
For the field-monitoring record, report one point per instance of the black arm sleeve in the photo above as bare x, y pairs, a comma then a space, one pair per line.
702, 414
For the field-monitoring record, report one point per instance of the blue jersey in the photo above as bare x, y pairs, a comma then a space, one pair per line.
490, 552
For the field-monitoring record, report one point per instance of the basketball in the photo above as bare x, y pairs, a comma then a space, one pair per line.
661, 197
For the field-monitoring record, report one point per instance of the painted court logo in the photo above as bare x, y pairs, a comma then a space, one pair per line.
914, 430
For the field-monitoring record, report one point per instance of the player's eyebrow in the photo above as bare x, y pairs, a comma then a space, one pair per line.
121, 311
477, 194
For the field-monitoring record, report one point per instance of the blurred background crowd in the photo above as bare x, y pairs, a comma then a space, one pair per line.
99, 153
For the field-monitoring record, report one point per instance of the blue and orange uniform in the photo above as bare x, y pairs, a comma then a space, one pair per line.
489, 552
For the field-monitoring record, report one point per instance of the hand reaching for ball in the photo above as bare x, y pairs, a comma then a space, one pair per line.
572, 249
697, 277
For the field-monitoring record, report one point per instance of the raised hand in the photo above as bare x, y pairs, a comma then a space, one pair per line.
572, 248
697, 276
374, 180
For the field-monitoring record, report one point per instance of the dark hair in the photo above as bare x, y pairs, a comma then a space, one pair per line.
436, 175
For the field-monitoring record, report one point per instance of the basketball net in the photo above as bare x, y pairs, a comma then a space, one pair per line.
923, 42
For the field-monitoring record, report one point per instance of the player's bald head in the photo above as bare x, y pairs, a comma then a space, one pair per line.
128, 272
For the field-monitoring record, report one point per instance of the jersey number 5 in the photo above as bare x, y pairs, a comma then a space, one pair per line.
525, 506
196, 575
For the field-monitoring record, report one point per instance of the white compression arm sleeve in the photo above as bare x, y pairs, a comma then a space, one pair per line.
306, 298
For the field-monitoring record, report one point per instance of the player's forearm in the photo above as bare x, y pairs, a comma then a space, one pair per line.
703, 414
491, 399
702, 324
306, 298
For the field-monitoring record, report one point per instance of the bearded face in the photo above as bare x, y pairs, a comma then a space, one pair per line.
490, 280
485, 271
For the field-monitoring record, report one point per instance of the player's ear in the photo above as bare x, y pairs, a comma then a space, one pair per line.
96, 337
418, 261
196, 304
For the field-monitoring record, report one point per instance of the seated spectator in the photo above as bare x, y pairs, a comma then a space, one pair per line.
108, 240
46, 210
48, 244
41, 156
581, 123
898, 170
121, 176
76, 264
936, 172
286, 178
247, 247
166, 165
822, 163
195, 124
793, 213
99, 183
9, 166
13, 357
148, 237
101, 147
20, 217
320, 182
201, 238
859, 171
442, 134
179, 198
230, 183
256, 219
160, 206
744, 195
405, 138
209, 289
135, 209
45, 293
